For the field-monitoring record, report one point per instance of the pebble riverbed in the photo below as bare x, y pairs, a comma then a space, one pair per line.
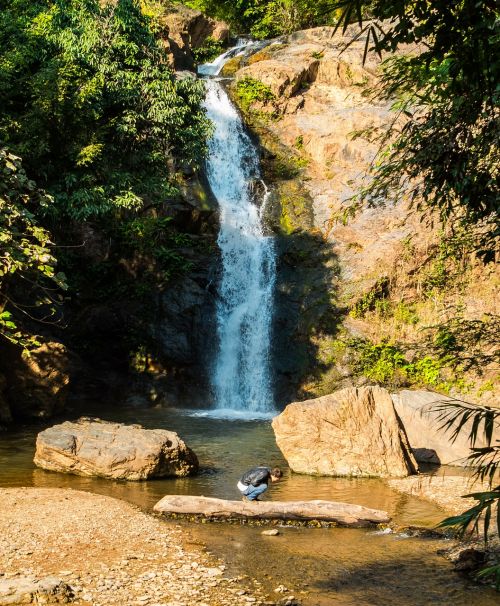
110, 553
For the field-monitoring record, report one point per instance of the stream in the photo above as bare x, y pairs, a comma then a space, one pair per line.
334, 566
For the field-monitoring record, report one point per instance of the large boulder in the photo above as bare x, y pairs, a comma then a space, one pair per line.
91, 447
429, 441
352, 432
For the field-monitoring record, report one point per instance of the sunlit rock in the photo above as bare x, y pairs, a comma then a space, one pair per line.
352, 432
28, 590
91, 447
418, 410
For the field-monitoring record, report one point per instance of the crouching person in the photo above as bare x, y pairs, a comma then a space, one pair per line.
256, 480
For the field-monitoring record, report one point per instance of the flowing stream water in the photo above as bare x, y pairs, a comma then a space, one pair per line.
320, 566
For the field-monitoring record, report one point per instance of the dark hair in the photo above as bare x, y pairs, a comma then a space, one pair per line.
276, 472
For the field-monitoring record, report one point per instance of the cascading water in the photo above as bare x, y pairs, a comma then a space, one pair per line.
241, 376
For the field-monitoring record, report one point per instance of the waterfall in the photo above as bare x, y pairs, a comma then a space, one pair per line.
241, 375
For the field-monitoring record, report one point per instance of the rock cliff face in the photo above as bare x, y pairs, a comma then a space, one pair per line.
315, 103
34, 386
185, 29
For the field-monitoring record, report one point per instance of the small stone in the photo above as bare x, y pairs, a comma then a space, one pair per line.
213, 572
273, 532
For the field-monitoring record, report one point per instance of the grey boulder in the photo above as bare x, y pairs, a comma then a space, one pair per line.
92, 447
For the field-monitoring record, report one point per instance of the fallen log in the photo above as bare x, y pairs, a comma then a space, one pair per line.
343, 514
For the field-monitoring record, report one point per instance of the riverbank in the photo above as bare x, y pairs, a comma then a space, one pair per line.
446, 491
110, 553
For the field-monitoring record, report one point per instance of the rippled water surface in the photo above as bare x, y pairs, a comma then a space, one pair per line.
332, 566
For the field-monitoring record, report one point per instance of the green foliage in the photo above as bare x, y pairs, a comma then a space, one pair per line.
104, 126
209, 51
405, 313
249, 90
382, 363
268, 18
444, 155
387, 364
26, 259
93, 108
299, 143
481, 420
369, 300
470, 344
154, 238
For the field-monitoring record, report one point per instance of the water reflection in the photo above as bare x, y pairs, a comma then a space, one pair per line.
336, 566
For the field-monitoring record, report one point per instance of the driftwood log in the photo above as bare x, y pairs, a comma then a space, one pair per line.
343, 514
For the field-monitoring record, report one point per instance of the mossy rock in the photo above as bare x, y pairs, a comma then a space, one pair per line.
231, 67
264, 54
296, 207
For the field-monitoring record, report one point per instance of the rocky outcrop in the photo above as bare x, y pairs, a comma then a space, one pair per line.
446, 491
91, 447
327, 114
319, 97
187, 29
283, 78
352, 432
35, 385
429, 441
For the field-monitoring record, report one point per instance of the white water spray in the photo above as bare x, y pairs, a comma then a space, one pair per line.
241, 377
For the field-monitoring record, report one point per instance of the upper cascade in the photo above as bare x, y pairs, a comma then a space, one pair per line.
241, 375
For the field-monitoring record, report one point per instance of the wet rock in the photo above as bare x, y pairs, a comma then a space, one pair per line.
272, 532
352, 432
470, 560
91, 447
447, 491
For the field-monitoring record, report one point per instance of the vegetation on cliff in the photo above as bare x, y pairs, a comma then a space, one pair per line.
268, 18
27, 265
442, 148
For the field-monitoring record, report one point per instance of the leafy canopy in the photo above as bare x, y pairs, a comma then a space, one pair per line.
442, 150
26, 258
267, 18
92, 106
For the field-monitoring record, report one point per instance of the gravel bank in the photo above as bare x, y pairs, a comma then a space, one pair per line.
111, 553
